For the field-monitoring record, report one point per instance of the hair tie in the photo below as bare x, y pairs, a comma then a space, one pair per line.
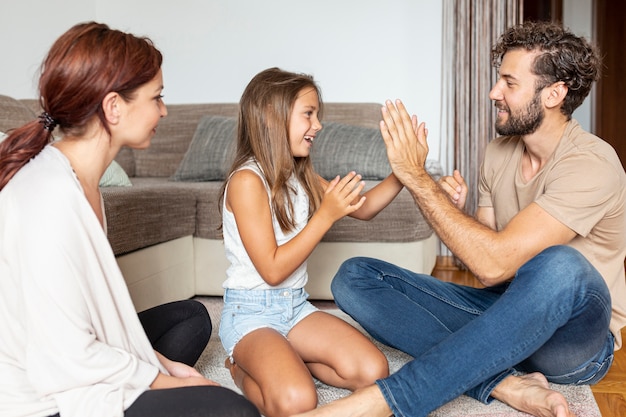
48, 121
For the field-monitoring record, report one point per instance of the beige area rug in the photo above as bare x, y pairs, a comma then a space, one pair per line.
211, 364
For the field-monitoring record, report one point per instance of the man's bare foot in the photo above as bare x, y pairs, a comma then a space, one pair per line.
368, 401
532, 394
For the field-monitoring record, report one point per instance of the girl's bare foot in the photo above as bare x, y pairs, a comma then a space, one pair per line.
235, 372
532, 394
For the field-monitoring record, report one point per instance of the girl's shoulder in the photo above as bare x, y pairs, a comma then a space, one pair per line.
250, 166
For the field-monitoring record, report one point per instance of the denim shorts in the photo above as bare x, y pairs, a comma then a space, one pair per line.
248, 310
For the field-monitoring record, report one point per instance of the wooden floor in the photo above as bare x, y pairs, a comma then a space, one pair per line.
610, 393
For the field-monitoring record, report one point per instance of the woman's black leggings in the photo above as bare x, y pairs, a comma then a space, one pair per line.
201, 401
180, 331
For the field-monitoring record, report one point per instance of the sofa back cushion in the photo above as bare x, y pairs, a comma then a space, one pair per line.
173, 136
176, 131
209, 154
14, 113
340, 148
150, 212
115, 176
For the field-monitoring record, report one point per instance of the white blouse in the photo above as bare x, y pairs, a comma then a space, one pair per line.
71, 341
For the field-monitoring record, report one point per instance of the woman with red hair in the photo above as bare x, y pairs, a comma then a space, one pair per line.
72, 343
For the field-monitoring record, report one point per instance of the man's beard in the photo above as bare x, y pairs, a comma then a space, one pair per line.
523, 122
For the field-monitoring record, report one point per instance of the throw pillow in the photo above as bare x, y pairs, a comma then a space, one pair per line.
208, 154
115, 176
340, 148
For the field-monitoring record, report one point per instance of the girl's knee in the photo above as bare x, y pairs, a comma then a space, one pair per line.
292, 400
376, 368
365, 370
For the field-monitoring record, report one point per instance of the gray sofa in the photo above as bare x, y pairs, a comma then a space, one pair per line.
164, 228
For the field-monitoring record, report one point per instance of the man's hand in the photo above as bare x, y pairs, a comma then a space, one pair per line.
405, 141
456, 188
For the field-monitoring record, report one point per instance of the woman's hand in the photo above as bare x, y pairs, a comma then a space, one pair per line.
163, 381
181, 370
456, 188
180, 375
340, 196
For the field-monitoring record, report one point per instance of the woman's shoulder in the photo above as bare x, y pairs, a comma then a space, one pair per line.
48, 172
47, 183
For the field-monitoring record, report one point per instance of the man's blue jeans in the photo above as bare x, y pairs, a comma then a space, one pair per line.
553, 317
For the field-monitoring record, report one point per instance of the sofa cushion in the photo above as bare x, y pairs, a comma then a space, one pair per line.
126, 158
340, 148
14, 113
114, 176
207, 157
173, 136
209, 216
148, 213
400, 221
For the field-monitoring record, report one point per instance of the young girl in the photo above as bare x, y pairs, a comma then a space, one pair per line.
72, 343
276, 209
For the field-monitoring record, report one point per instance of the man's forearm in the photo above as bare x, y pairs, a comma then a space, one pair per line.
471, 241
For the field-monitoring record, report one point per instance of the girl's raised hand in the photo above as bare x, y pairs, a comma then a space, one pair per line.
342, 197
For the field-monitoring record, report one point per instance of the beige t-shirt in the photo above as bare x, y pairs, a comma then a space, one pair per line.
583, 186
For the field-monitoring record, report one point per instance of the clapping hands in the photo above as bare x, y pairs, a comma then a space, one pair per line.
341, 197
405, 140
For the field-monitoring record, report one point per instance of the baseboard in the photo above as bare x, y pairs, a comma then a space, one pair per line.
446, 263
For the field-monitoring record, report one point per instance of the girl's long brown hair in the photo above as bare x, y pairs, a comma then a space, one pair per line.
263, 134
85, 64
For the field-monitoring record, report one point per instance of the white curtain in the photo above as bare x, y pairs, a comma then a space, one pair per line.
471, 28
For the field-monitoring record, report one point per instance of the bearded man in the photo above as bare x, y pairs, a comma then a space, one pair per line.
548, 242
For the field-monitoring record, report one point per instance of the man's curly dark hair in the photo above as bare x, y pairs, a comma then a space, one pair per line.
564, 57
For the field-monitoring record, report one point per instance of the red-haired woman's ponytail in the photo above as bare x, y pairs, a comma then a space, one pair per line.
22, 145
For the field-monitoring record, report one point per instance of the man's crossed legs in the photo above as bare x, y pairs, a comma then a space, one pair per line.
552, 318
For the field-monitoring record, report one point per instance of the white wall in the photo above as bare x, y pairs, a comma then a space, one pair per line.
27, 30
357, 50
